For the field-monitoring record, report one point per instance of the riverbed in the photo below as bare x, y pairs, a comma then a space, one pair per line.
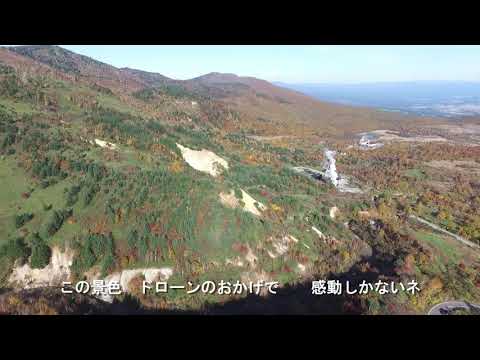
340, 182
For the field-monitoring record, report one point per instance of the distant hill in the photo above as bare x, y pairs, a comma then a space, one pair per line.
426, 98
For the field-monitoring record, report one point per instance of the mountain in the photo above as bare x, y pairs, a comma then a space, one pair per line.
259, 99
62, 59
27, 65
262, 104
81, 67
259, 87
148, 78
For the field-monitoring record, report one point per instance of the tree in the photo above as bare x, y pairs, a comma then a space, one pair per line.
89, 194
20, 220
94, 249
15, 249
143, 246
72, 195
108, 264
56, 221
132, 239
40, 252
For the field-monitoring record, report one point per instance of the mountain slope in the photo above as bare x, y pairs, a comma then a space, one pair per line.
150, 79
81, 67
27, 65
263, 105
261, 100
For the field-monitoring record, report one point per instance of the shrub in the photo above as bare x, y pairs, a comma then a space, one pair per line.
8, 140
89, 194
9, 86
145, 94
72, 195
238, 193
5, 69
47, 168
94, 248
177, 91
108, 264
56, 221
132, 239
20, 220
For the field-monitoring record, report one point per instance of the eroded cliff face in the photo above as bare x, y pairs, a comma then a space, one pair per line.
56, 272
204, 160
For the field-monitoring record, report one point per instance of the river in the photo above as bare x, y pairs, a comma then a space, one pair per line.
329, 173
340, 182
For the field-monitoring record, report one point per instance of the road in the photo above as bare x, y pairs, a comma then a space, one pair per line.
438, 228
446, 307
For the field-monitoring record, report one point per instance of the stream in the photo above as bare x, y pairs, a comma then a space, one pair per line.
339, 181
329, 173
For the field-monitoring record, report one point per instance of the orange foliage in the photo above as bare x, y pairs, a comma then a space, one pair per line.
156, 228
100, 227
176, 167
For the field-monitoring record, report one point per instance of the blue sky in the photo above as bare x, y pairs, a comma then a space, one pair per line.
312, 64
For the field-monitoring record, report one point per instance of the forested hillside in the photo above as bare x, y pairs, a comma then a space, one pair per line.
106, 170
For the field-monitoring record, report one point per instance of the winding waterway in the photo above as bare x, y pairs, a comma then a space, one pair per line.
340, 182
329, 173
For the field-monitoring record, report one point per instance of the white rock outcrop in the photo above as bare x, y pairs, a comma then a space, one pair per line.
204, 160
56, 272
126, 276
249, 203
333, 212
281, 245
319, 233
106, 144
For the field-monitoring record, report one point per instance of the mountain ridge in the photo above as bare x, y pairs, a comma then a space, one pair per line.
252, 97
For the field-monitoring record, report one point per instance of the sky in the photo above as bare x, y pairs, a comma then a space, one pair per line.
298, 64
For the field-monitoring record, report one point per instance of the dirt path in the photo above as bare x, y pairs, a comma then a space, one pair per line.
438, 228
